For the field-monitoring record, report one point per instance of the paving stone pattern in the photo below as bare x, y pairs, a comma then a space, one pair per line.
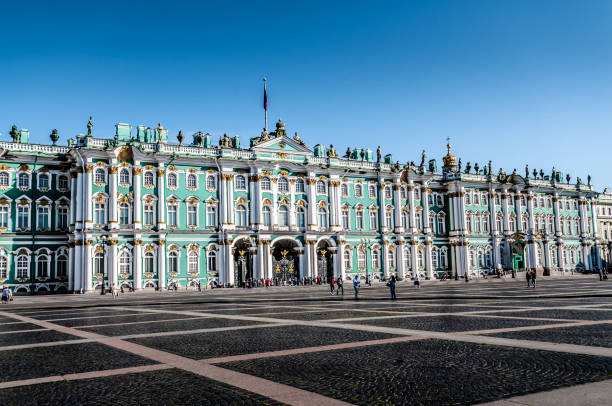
598, 335
255, 340
428, 372
167, 387
33, 337
451, 323
64, 359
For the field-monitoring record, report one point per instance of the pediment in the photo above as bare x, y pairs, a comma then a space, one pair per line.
282, 144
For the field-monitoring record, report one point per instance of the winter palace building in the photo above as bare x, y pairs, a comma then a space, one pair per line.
137, 211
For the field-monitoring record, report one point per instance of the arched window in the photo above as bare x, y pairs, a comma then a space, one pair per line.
266, 216
62, 182
403, 194
430, 199
99, 176
347, 260
485, 223
358, 190
434, 259
418, 221
42, 266
148, 179
192, 181
476, 198
361, 259
62, 266
553, 256
124, 213
373, 219
524, 223
387, 192
99, 268
240, 182
149, 262
265, 183
4, 179
375, 259
211, 215
283, 216
432, 219
193, 263
241, 216
43, 217
372, 191
283, 185
23, 180
173, 262
43, 181
149, 214
391, 257
470, 222
472, 257
405, 221
468, 198
301, 217
499, 225
124, 177
439, 201
523, 201
478, 223
125, 263
299, 185
497, 199
321, 187
443, 259
3, 267
212, 261
211, 182
22, 266
322, 216
99, 213
512, 223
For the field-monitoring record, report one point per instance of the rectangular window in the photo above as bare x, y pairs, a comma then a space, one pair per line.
62, 217
211, 216
99, 214
192, 216
172, 215
373, 220
4, 210
43, 217
23, 217
359, 219
345, 219
148, 214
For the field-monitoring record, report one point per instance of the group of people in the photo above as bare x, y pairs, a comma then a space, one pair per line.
336, 286
7, 295
531, 276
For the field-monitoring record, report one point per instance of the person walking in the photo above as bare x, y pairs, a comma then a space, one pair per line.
416, 280
533, 278
331, 286
391, 285
339, 286
5, 295
528, 277
356, 287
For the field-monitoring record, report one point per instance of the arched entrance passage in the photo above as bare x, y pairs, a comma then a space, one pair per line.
325, 262
243, 263
285, 260
517, 249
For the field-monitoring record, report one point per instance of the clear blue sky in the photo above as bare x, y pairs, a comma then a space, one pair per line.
512, 81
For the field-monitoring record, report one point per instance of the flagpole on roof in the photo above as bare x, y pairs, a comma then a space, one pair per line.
265, 104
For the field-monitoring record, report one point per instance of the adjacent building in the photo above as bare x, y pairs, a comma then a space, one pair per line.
137, 211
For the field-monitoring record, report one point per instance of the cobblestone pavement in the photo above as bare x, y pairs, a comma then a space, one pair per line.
447, 343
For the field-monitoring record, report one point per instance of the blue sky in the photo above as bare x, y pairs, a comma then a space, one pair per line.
512, 81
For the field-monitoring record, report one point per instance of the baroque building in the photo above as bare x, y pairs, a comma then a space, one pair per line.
136, 211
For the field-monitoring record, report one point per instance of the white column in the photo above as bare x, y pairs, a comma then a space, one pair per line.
87, 197
78, 265
229, 262
137, 172
113, 222
261, 260
334, 251
268, 259
254, 199
80, 200
230, 200
292, 210
546, 255
492, 212
381, 205
428, 262
425, 204
137, 264
412, 224
221, 275
530, 219
306, 259
560, 259
556, 213
71, 267
300, 253
161, 198
73, 200
224, 202
112, 263
315, 259
88, 266
413, 251
274, 214
399, 250
255, 263
397, 204
311, 194
505, 210
161, 264
385, 258
341, 260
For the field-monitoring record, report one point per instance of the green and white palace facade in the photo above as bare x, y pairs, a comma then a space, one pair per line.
134, 210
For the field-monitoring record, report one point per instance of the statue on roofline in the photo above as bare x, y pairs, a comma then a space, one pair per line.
348, 153
297, 139
331, 152
378, 154
89, 127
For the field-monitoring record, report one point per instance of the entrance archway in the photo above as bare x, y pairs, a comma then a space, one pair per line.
518, 255
243, 263
325, 262
285, 260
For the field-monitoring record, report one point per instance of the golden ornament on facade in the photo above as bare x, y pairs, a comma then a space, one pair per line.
89, 168
99, 248
311, 181
149, 248
136, 171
